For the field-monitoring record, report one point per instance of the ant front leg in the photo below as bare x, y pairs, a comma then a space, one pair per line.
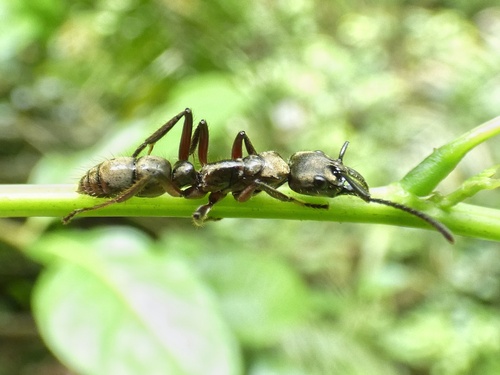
247, 193
165, 128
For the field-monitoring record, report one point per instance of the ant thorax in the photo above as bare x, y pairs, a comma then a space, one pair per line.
221, 176
275, 170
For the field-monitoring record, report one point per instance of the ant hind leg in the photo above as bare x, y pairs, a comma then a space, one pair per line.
165, 128
122, 197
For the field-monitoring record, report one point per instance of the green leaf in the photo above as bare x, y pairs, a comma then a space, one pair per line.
109, 304
261, 296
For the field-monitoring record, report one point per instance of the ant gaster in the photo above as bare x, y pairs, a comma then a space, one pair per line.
314, 173
122, 178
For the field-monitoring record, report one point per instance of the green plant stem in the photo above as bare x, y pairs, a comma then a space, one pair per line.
59, 200
424, 178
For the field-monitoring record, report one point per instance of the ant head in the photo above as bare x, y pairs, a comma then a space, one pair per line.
314, 173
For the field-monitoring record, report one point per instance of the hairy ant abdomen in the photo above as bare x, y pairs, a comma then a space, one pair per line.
113, 176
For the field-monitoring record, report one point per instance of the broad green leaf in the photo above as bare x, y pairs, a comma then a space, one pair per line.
108, 303
261, 296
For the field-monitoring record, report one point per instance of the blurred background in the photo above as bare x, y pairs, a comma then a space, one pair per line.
83, 81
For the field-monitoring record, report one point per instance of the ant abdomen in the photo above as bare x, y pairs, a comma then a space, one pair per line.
113, 176
108, 178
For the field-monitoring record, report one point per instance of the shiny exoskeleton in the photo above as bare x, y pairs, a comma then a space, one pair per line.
307, 172
243, 177
147, 176
314, 173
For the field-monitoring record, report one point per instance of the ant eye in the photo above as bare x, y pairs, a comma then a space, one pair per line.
320, 182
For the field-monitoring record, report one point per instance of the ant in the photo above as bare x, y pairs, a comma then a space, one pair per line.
307, 172
314, 173
122, 178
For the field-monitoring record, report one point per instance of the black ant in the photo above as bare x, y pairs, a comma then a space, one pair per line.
308, 172
122, 178
314, 173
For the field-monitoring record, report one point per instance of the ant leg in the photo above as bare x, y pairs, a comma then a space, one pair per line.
165, 128
246, 194
200, 140
184, 172
237, 150
186, 143
200, 215
122, 197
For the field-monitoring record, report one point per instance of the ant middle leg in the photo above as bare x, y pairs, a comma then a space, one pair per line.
200, 140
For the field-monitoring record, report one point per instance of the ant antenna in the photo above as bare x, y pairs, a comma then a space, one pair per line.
441, 228
361, 191
343, 150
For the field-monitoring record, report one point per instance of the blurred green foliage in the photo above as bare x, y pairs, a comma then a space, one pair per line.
84, 80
